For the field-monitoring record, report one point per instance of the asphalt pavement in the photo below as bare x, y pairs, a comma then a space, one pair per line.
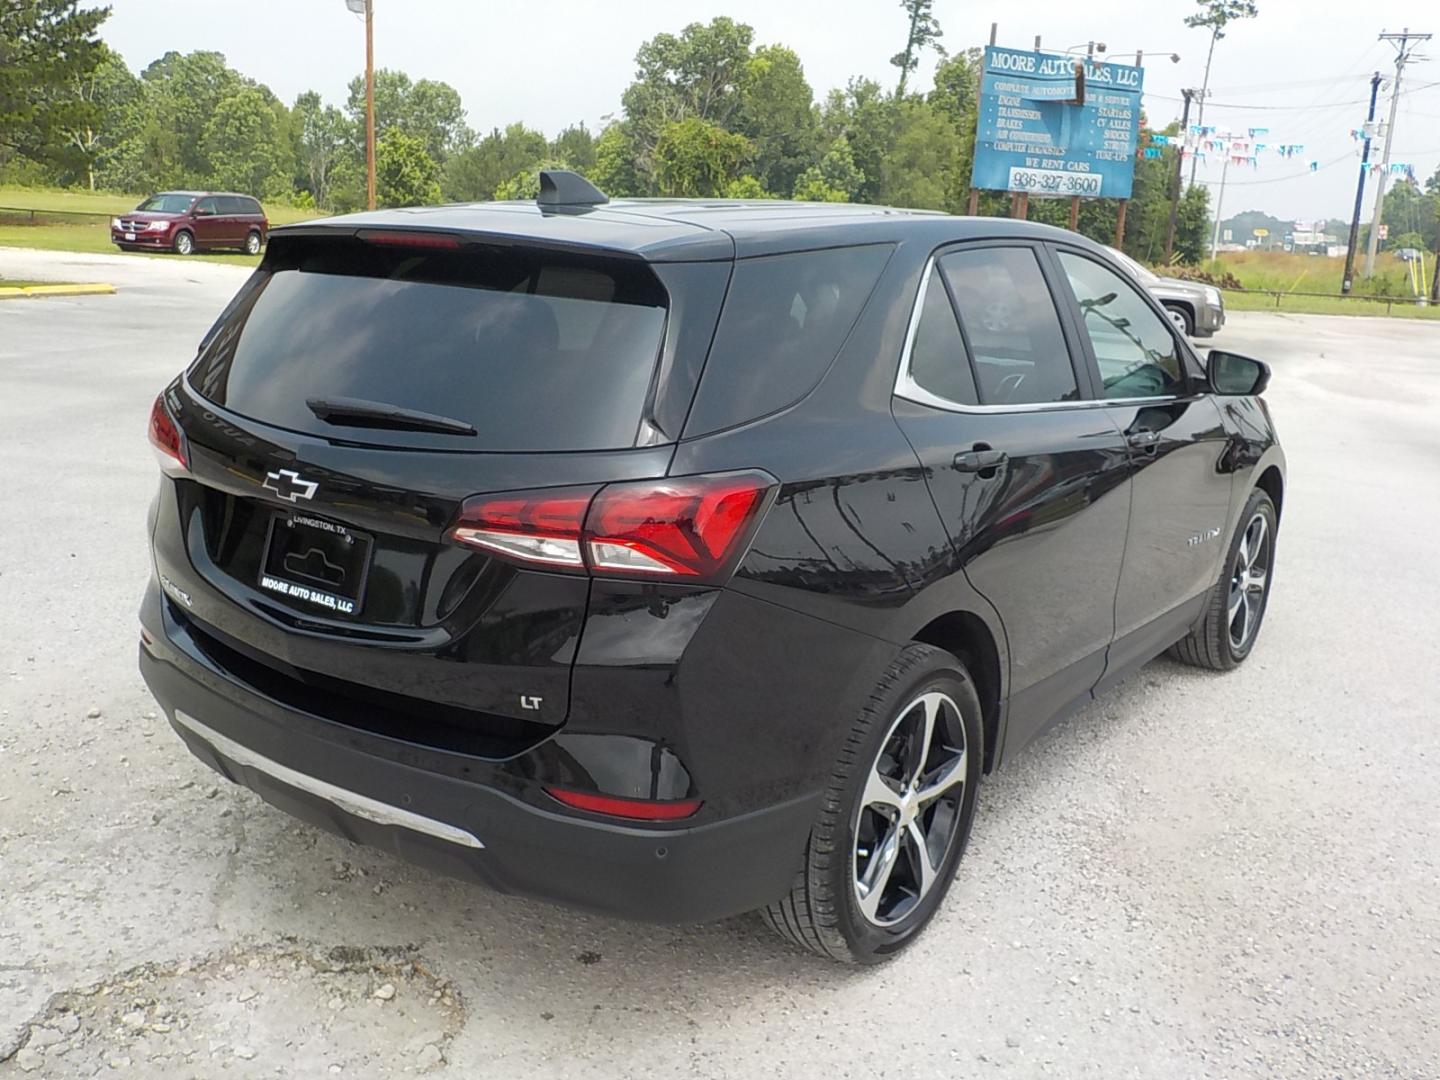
1198, 876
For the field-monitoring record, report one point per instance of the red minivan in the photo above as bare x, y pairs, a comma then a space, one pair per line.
186, 221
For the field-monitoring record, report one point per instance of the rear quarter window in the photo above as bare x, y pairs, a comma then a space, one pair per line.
785, 319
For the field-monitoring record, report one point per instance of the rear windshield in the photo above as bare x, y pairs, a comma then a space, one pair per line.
167, 204
534, 351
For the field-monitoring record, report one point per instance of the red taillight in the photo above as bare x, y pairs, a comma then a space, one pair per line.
537, 527
689, 526
432, 240
692, 526
630, 809
167, 439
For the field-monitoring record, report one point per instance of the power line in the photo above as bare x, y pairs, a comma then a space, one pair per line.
1294, 108
1281, 179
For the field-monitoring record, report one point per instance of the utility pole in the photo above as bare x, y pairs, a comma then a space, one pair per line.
1219, 202
370, 103
1348, 279
366, 8
1179, 169
1403, 52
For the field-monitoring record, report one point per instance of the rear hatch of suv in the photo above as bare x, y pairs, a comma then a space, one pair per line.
358, 394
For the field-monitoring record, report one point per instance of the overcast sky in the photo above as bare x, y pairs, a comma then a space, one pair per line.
1302, 67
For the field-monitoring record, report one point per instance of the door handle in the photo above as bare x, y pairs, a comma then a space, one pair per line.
982, 459
1143, 440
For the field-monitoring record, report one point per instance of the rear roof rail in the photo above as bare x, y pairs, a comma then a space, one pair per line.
561, 187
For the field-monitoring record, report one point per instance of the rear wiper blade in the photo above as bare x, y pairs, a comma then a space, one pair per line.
353, 412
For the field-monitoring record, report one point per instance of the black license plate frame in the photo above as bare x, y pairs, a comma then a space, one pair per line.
335, 581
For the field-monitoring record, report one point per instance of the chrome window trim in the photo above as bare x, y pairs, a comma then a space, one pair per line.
906, 387
362, 806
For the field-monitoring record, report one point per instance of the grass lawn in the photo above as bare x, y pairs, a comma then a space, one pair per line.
88, 202
1325, 305
1279, 271
93, 236
94, 239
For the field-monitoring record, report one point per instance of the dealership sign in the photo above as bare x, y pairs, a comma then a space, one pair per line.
1046, 129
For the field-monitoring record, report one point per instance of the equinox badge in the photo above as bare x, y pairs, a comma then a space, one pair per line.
287, 484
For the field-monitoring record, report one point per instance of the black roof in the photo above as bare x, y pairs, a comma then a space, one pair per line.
686, 230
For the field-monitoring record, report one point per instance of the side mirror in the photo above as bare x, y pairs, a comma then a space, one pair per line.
1236, 375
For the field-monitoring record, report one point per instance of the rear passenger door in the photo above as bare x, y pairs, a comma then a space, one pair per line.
1180, 500
1029, 475
209, 223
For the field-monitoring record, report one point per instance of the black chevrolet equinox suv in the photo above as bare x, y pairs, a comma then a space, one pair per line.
674, 559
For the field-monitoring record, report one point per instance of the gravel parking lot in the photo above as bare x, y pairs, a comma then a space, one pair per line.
1199, 876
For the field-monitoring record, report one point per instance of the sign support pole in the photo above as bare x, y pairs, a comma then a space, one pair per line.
1074, 212
1120, 225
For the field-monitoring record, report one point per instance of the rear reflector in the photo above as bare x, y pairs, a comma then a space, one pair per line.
431, 240
629, 809
693, 527
167, 439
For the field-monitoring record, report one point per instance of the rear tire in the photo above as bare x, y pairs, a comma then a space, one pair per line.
862, 895
1181, 317
1226, 634
252, 243
184, 243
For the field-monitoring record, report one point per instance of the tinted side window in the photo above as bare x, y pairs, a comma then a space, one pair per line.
1134, 348
938, 360
1011, 326
248, 206
784, 321
207, 206
230, 204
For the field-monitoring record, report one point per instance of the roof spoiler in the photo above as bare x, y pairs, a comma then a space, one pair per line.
561, 187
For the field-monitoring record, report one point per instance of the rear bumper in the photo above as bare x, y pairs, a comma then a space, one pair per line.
482, 825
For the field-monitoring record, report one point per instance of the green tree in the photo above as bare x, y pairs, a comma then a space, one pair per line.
321, 131
694, 158
866, 117
1192, 225
615, 172
1410, 215
429, 111
777, 114
473, 174
747, 187
920, 168
924, 33
405, 173
246, 146
957, 86
526, 183
47, 49
834, 179
1215, 16
91, 133
693, 74
575, 147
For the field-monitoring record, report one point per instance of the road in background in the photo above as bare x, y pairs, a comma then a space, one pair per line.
1198, 876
